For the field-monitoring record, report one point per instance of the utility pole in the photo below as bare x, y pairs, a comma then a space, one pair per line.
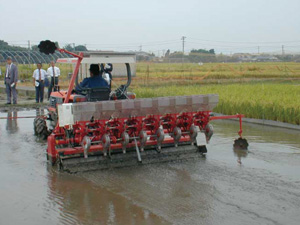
282, 49
141, 48
29, 51
183, 40
74, 46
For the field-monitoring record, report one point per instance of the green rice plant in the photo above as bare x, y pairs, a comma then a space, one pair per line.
279, 102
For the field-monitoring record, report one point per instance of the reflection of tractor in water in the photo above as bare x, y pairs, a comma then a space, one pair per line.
92, 204
100, 128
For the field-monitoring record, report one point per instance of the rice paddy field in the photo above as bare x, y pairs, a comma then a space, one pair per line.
266, 90
267, 70
258, 90
272, 101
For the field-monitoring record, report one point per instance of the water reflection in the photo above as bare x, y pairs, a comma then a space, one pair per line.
83, 202
40, 111
11, 122
240, 153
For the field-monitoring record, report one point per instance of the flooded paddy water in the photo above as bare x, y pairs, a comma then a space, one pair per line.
261, 186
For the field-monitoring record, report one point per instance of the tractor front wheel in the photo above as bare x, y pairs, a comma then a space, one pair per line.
40, 128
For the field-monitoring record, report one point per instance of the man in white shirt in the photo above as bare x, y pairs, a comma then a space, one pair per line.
54, 73
38, 81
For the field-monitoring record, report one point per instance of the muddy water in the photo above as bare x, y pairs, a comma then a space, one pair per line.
261, 186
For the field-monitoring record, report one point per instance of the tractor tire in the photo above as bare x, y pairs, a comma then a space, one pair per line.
40, 128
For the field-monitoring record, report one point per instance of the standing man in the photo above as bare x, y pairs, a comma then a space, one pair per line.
10, 80
54, 73
38, 81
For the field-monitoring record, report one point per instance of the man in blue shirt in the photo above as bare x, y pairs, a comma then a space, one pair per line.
95, 81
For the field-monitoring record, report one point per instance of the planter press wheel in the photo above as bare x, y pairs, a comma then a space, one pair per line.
240, 143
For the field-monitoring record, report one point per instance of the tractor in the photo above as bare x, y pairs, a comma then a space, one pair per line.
100, 128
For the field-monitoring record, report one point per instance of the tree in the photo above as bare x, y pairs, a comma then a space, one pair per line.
5, 46
167, 53
69, 47
211, 51
78, 48
202, 55
34, 48
81, 48
176, 55
56, 44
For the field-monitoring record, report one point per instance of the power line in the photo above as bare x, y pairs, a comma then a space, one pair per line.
135, 44
247, 42
240, 47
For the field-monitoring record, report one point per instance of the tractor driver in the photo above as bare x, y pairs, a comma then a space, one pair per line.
95, 81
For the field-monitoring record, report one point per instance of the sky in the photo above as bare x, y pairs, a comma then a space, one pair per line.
154, 26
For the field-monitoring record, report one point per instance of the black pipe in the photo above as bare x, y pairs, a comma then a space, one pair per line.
128, 75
